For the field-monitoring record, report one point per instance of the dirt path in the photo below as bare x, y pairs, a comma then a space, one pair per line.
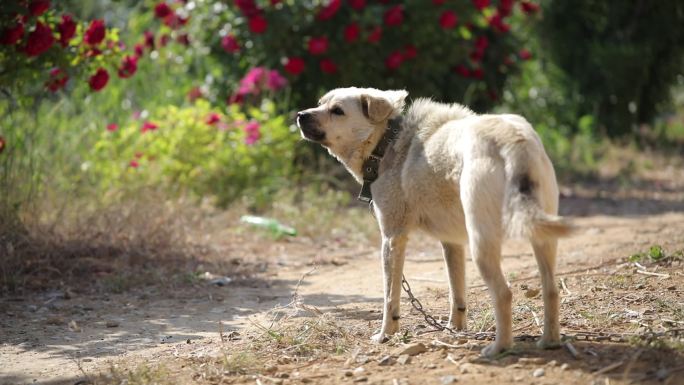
58, 337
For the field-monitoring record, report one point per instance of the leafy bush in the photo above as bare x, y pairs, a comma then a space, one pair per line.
449, 50
620, 60
197, 150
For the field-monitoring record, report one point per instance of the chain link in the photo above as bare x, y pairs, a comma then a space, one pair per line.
577, 336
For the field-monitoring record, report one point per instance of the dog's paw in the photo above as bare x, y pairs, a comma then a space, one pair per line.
380, 338
458, 323
548, 343
491, 350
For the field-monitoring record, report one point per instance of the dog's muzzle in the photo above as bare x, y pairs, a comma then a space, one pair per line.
308, 125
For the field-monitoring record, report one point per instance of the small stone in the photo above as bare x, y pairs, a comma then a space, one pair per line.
531, 293
271, 369
361, 359
359, 370
531, 361
87, 360
552, 363
386, 361
404, 359
410, 349
538, 372
361, 379
348, 373
565, 366
446, 380
306, 380
112, 324
188, 341
430, 366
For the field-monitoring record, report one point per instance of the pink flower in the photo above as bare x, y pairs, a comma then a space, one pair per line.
275, 80
38, 7
111, 127
95, 33
394, 60
129, 65
329, 10
318, 45
67, 30
148, 126
194, 94
357, 4
12, 35
252, 132
162, 10
230, 43
139, 50
212, 119
328, 66
351, 32
258, 24
134, 164
58, 79
250, 83
294, 65
448, 19
481, 4
394, 16
40, 40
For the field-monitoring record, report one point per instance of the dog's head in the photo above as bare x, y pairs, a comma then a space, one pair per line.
346, 117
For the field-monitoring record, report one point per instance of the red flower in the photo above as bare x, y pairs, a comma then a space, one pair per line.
329, 10
462, 70
505, 7
529, 7
149, 39
194, 94
139, 50
258, 24
294, 65
477, 73
95, 32
524, 54
111, 127
448, 19
498, 24
328, 66
134, 163
230, 44
248, 7
11, 36
476, 55
394, 60
40, 40
99, 80
410, 52
438, 2
357, 4
394, 16
67, 30
129, 65
2, 144
481, 4
148, 126
161, 10
481, 43
38, 7
93, 52
318, 45
58, 79
375, 35
212, 119
164, 40
351, 32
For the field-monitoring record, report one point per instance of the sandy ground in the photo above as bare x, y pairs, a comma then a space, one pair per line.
62, 337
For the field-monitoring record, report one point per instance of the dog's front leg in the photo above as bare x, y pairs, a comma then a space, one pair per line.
393, 248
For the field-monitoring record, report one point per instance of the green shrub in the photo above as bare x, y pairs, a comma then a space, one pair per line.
198, 150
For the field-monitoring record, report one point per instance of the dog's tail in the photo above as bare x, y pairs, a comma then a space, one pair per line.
525, 217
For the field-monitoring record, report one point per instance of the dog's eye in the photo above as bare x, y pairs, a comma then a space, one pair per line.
337, 111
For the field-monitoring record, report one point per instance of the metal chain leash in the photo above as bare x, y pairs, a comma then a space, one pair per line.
480, 336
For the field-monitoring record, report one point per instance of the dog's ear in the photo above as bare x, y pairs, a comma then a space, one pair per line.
384, 105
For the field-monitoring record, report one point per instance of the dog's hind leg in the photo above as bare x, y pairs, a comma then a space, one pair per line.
482, 194
545, 253
454, 258
393, 248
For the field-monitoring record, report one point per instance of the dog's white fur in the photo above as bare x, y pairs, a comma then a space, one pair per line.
464, 178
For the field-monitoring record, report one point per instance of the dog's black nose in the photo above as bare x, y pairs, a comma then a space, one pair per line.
303, 116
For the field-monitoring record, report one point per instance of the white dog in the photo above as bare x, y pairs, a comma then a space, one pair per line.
461, 177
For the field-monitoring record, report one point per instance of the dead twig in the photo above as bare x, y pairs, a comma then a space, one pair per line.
571, 349
609, 368
565, 287
644, 272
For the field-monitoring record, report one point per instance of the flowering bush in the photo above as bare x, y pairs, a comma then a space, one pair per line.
40, 46
198, 150
459, 51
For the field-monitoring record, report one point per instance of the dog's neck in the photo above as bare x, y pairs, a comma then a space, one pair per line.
363, 162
